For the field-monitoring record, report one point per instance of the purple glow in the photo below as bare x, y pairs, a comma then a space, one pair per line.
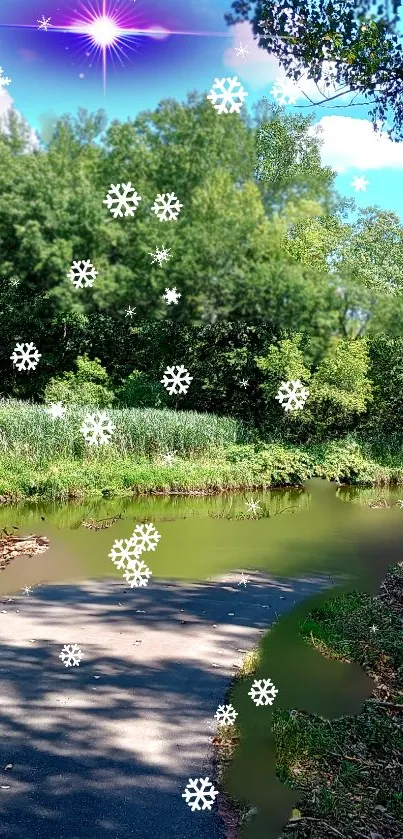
105, 29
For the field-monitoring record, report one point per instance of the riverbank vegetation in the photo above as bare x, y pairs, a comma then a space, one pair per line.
349, 770
165, 451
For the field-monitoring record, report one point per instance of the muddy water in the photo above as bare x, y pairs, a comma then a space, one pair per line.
315, 532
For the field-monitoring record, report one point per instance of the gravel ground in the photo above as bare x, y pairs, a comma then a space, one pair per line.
106, 749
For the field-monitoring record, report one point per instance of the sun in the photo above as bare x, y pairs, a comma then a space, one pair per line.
103, 31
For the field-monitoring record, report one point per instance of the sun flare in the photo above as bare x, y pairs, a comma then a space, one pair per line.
103, 31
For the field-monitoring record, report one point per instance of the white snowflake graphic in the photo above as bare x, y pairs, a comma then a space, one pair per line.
71, 655
137, 573
263, 692
122, 197
176, 382
160, 255
200, 790
359, 183
167, 206
228, 95
56, 409
171, 295
244, 580
97, 428
4, 81
130, 312
146, 537
29, 357
123, 552
285, 91
242, 50
252, 506
244, 382
169, 457
82, 273
44, 23
292, 395
225, 715
27, 590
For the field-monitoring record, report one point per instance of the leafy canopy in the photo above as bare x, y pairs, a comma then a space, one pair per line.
345, 47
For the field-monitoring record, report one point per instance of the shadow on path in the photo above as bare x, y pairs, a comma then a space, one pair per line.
106, 749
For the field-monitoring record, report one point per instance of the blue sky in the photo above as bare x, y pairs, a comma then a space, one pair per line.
55, 72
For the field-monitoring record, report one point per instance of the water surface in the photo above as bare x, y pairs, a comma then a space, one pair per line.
317, 531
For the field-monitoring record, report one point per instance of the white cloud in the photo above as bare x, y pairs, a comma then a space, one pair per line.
6, 102
351, 143
6, 105
259, 68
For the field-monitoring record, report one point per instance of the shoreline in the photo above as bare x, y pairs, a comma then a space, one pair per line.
237, 467
313, 752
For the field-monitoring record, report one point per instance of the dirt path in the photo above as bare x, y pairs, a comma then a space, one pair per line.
106, 749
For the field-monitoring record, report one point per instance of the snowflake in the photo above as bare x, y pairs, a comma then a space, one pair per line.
84, 276
176, 382
373, 628
4, 81
146, 536
293, 394
130, 312
71, 655
242, 50
97, 428
199, 790
244, 382
244, 580
56, 409
44, 23
263, 692
359, 183
171, 295
160, 256
252, 506
118, 199
137, 573
29, 356
169, 457
27, 590
167, 206
225, 715
284, 90
14, 281
123, 554
228, 95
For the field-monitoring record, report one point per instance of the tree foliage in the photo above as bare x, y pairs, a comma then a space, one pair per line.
344, 46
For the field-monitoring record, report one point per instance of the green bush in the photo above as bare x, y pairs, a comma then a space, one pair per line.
88, 386
139, 391
340, 389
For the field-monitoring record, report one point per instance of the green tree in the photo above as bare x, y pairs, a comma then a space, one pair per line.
340, 389
344, 47
140, 391
88, 386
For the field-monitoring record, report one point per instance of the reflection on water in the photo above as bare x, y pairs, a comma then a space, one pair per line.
304, 533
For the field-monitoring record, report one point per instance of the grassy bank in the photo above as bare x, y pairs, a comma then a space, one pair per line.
41, 457
350, 769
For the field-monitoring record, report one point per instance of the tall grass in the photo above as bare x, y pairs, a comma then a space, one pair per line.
28, 431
